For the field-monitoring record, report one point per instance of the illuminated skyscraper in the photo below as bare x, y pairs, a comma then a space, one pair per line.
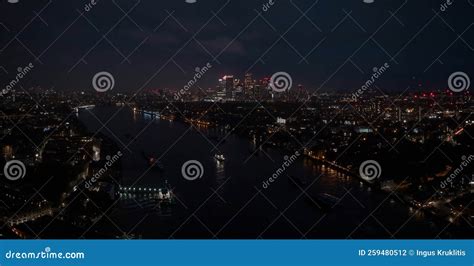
229, 85
221, 91
248, 82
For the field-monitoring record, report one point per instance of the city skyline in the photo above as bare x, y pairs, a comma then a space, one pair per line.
162, 50
150, 156
236, 119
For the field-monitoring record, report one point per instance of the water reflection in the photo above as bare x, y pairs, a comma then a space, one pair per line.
236, 177
220, 172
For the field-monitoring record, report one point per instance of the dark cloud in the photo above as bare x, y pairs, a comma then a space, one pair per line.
226, 45
422, 43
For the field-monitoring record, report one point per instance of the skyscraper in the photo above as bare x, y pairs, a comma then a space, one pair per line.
221, 91
248, 82
229, 85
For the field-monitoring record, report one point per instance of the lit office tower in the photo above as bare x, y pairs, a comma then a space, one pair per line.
221, 84
229, 85
248, 82
261, 91
249, 86
220, 91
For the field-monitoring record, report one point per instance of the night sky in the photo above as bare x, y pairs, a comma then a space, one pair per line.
166, 40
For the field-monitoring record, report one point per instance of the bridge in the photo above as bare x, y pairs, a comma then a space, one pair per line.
156, 200
83, 107
163, 194
15, 116
146, 112
29, 216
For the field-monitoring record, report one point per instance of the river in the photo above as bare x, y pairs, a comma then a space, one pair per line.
229, 201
